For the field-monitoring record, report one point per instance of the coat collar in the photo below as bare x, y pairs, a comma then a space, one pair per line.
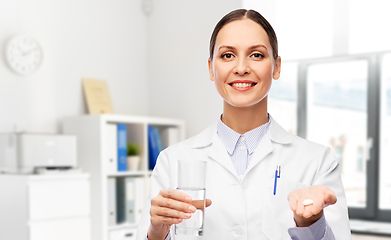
276, 134
217, 151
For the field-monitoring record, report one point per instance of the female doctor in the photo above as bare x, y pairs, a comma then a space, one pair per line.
244, 149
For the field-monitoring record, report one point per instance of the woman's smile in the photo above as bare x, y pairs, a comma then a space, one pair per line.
242, 85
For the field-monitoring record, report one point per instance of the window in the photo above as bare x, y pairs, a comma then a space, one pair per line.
282, 98
337, 117
360, 159
336, 102
385, 134
341, 102
339, 155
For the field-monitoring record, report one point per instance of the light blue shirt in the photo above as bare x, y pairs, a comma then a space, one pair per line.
241, 147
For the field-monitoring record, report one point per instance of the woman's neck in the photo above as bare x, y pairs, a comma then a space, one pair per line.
244, 119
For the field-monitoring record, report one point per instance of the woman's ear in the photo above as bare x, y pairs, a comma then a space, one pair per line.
211, 74
277, 69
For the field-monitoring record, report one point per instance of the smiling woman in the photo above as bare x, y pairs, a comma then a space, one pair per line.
242, 151
242, 70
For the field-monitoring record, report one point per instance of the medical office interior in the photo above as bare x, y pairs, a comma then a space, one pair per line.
334, 89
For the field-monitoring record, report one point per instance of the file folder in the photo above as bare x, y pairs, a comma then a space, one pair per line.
153, 148
170, 136
111, 141
125, 200
139, 183
122, 142
112, 206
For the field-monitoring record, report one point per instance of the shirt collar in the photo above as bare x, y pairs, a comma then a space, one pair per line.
251, 138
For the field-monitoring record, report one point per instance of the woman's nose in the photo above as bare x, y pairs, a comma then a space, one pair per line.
242, 67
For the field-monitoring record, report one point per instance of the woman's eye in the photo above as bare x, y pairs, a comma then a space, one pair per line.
227, 55
257, 55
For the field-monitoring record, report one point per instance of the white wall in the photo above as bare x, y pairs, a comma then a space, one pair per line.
96, 39
178, 50
154, 65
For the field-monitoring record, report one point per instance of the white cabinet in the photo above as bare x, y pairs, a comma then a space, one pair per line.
95, 156
123, 234
45, 207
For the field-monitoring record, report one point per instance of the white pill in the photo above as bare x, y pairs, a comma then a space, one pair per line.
308, 202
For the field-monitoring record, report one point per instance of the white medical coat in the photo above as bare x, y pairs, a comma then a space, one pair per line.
246, 208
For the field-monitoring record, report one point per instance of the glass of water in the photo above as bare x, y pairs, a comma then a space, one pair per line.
191, 180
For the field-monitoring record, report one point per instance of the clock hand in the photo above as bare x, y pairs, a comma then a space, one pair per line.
21, 50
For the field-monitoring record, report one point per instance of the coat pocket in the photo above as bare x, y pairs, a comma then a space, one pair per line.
277, 215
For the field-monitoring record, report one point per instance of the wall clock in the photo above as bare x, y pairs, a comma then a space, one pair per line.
23, 54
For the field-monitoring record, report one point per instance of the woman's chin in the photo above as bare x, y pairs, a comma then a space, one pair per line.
245, 104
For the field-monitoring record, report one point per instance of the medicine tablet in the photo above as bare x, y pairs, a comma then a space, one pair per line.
308, 202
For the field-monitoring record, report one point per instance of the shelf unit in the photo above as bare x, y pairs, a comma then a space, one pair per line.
92, 149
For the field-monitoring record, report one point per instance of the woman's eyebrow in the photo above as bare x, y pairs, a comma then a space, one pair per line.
251, 48
227, 46
257, 46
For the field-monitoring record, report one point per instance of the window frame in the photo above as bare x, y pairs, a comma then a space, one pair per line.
371, 211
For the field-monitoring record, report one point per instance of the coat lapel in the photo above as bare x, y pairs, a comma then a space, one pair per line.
218, 153
264, 148
275, 135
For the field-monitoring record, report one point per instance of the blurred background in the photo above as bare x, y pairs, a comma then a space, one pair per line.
335, 86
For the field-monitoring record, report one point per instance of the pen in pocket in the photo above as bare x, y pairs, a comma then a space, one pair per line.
277, 175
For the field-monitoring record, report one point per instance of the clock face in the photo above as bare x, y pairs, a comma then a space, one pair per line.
23, 54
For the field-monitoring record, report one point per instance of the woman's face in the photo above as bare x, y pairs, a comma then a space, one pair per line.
243, 66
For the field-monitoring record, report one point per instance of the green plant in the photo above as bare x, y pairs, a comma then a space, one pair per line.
132, 149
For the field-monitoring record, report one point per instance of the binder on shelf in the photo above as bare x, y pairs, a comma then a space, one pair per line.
152, 148
125, 200
170, 136
112, 206
130, 196
158, 140
112, 143
122, 141
120, 200
139, 183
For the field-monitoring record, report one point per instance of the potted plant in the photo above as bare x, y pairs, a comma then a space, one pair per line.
133, 156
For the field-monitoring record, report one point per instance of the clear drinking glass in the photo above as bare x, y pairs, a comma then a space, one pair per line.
191, 180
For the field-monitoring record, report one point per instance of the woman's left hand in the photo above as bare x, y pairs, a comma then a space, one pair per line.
306, 215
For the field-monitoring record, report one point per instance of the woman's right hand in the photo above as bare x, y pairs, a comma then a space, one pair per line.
169, 207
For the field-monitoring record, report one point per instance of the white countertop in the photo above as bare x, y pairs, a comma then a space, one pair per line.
370, 227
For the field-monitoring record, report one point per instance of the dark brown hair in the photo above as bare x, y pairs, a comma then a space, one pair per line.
243, 14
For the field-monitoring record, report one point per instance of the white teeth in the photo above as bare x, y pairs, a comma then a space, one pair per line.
240, 85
